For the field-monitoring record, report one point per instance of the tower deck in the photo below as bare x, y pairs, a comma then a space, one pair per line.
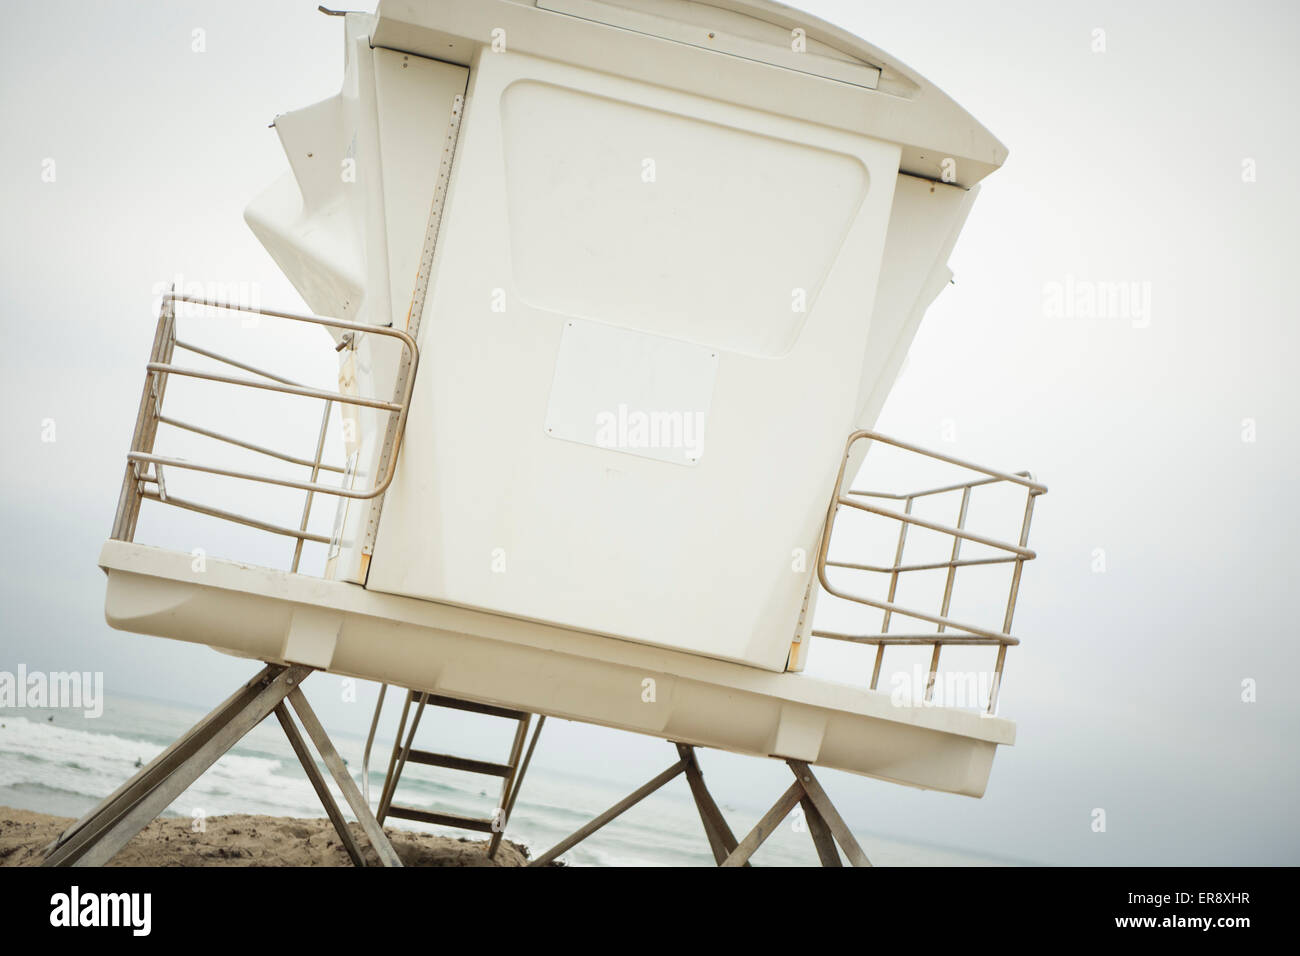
277, 616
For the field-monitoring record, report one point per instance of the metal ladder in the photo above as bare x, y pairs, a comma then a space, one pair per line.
511, 772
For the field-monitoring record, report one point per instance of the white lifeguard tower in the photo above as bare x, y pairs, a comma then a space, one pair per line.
618, 289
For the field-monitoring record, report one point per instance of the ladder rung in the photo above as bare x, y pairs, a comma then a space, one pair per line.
451, 703
430, 759
441, 819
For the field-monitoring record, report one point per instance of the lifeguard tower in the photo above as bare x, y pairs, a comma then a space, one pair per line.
617, 290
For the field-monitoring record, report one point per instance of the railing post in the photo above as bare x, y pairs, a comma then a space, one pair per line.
146, 423
947, 590
315, 473
1011, 602
893, 588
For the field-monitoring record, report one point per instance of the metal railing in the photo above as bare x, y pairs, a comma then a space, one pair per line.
145, 477
949, 631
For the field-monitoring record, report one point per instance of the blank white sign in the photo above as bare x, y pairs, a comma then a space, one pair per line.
631, 392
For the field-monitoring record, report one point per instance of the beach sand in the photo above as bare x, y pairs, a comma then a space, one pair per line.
247, 840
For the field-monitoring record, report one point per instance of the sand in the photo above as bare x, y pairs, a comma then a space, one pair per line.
247, 840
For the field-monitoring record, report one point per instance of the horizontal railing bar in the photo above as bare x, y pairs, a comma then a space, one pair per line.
1019, 479
908, 612
401, 408
286, 389
295, 317
918, 639
293, 459
1025, 553
959, 486
227, 360
186, 505
963, 563
250, 476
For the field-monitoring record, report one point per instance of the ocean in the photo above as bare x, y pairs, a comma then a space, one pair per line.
65, 765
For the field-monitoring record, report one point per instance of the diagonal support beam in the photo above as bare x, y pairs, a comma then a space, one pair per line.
351, 793
824, 823
843, 835
721, 840
157, 769
98, 836
318, 784
101, 838
631, 800
821, 834
765, 827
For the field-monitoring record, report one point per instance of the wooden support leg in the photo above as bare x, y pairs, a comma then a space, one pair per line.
98, 839
804, 776
721, 840
318, 784
824, 822
158, 768
821, 834
369, 825
98, 836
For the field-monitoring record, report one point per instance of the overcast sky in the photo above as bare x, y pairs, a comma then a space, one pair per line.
1133, 164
